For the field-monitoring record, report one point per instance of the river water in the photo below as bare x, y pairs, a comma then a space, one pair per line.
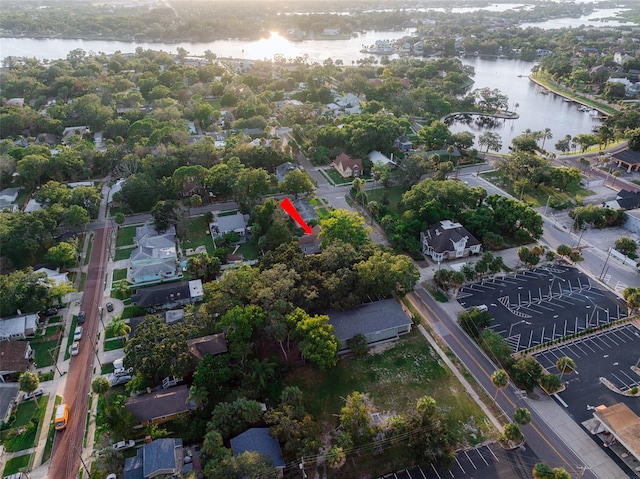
537, 111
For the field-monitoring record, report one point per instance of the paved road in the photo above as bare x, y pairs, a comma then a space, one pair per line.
539, 436
68, 444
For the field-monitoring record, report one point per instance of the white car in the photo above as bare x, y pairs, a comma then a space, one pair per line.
111, 476
75, 348
124, 445
122, 371
77, 335
118, 380
37, 393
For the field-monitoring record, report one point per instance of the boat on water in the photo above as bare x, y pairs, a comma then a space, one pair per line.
544, 91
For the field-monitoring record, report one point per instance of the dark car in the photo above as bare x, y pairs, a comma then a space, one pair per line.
81, 317
51, 312
110, 306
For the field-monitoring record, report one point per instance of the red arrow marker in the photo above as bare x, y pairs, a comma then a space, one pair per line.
293, 212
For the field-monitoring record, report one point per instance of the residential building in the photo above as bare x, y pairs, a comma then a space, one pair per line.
8, 395
73, 130
15, 358
169, 295
306, 209
448, 240
8, 196
347, 166
19, 327
160, 406
213, 344
155, 258
283, 169
54, 277
625, 200
258, 439
380, 322
162, 457
310, 244
348, 104
225, 223
379, 158
403, 143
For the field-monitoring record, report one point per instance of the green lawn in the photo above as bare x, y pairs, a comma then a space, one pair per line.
23, 196
133, 311
113, 344
248, 250
51, 433
125, 235
106, 368
197, 235
322, 212
119, 274
22, 434
54, 320
393, 194
335, 177
42, 344
123, 253
540, 195
16, 464
394, 379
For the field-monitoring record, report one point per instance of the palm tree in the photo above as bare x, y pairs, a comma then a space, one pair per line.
565, 365
101, 386
336, 457
198, 394
118, 327
522, 416
261, 373
546, 135
513, 433
500, 379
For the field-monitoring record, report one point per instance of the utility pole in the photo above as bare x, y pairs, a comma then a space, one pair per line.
73, 446
55, 362
605, 265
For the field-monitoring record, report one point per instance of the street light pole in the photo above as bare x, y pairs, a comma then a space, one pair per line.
547, 205
605, 265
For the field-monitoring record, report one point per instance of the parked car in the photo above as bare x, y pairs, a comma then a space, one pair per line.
124, 445
77, 335
112, 476
122, 371
118, 380
81, 317
37, 393
75, 348
51, 312
110, 306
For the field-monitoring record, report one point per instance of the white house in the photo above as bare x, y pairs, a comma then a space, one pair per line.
448, 240
19, 327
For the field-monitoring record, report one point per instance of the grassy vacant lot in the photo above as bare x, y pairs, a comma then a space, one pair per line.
394, 379
22, 434
42, 344
125, 235
540, 195
393, 194
248, 250
16, 464
197, 235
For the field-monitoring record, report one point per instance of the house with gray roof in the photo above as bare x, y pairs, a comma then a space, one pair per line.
448, 240
8, 196
160, 406
212, 344
160, 457
169, 295
380, 322
19, 327
8, 395
258, 439
223, 224
306, 209
283, 169
155, 257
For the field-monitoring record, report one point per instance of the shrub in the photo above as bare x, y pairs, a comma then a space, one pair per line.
358, 344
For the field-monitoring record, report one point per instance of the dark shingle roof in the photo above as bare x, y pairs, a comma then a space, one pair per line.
629, 157
12, 356
164, 402
257, 439
628, 200
368, 318
441, 238
160, 455
161, 294
212, 344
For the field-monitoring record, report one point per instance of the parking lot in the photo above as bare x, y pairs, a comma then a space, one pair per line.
610, 354
540, 305
489, 462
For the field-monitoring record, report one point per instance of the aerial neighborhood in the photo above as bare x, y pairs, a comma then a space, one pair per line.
227, 267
